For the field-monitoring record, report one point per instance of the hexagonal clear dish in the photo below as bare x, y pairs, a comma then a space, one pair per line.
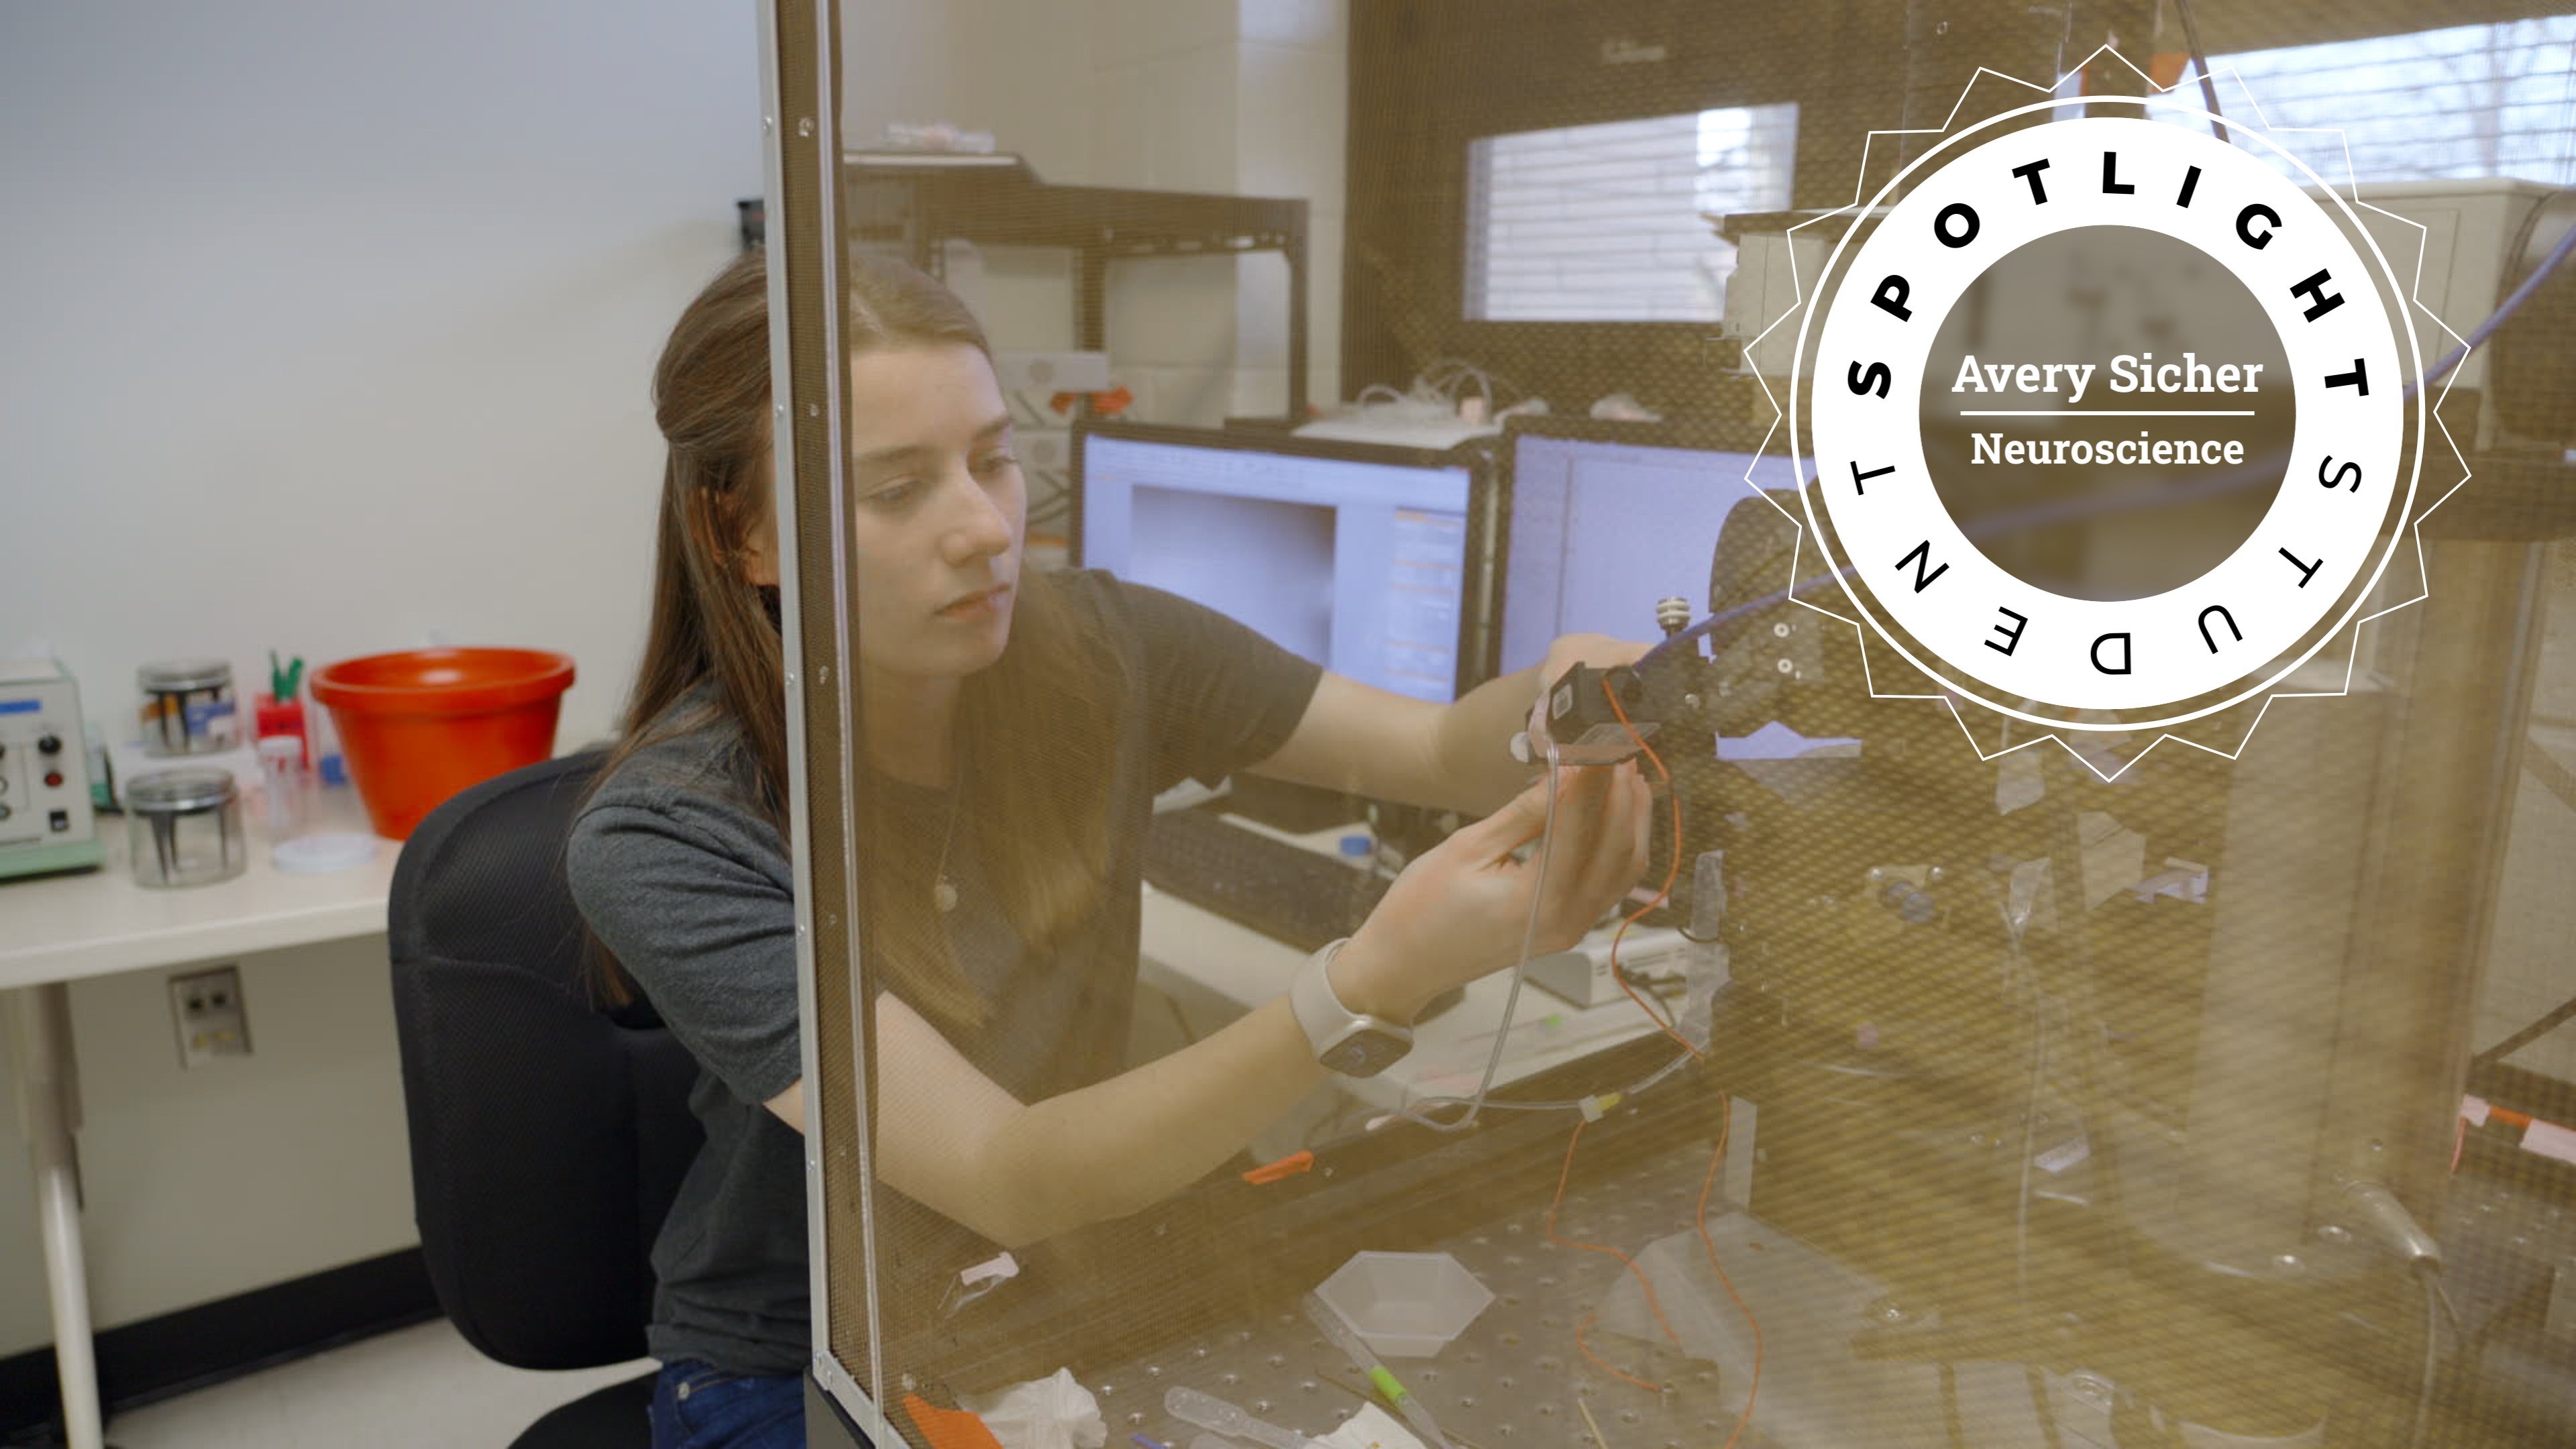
1405, 1305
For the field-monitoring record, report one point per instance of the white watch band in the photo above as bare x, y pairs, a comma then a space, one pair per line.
1344, 1040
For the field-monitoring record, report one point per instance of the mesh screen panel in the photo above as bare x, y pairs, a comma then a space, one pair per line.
2081, 1095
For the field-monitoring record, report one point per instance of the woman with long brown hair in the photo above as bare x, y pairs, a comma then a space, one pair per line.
1016, 725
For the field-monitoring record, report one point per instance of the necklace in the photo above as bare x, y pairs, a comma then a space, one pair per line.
943, 892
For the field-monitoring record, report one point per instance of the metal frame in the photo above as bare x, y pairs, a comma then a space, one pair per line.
800, 156
806, 176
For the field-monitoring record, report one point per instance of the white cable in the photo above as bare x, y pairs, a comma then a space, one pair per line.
1444, 374
1529, 941
1415, 1111
1651, 1079
1520, 971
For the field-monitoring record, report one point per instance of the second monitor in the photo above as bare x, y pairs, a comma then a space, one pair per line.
1355, 556
1606, 518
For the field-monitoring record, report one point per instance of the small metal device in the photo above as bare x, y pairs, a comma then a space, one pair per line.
45, 819
1585, 726
1582, 975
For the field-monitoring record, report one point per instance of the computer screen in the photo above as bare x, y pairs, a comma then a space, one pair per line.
1353, 556
1599, 529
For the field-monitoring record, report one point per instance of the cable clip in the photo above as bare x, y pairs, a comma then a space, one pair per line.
977, 1281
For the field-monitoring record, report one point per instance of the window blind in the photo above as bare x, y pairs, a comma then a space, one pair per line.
2460, 102
1611, 222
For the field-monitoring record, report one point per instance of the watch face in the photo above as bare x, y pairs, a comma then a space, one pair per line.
1364, 1053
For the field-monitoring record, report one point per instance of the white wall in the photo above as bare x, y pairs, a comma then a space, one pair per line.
327, 328
330, 327
1292, 118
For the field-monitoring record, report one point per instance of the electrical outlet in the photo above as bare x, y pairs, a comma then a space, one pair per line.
208, 1010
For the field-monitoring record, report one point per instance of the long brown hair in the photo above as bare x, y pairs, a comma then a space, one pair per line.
1034, 732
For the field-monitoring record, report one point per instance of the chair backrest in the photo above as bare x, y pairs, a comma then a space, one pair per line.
547, 1136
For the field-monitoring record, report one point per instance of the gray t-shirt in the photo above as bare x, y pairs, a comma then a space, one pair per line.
684, 880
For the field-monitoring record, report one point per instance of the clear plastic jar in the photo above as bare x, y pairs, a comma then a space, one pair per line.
188, 707
283, 785
185, 827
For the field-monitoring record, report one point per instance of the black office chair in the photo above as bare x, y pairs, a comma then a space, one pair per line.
547, 1136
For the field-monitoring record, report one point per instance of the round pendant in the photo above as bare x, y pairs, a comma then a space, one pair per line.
944, 895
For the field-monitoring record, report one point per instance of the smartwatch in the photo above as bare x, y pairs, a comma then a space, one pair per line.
1352, 1043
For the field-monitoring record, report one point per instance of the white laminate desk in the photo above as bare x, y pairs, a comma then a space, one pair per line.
1191, 951
58, 929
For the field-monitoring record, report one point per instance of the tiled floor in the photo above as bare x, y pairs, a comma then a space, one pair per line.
417, 1388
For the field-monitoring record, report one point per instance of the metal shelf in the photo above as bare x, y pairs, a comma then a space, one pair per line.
919, 202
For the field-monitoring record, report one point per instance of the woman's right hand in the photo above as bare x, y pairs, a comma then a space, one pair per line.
1462, 909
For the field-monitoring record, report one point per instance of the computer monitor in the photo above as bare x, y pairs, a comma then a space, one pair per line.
1359, 557
1602, 519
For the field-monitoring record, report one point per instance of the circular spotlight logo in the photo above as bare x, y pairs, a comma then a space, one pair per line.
1974, 349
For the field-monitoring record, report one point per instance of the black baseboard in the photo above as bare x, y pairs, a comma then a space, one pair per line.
141, 1363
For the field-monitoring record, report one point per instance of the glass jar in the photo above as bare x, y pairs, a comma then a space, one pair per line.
185, 827
188, 707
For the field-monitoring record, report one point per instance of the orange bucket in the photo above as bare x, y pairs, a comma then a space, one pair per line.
420, 725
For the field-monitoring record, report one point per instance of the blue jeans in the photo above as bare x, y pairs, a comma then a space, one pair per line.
696, 1406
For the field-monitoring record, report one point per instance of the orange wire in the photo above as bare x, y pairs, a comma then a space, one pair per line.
1663, 893
1630, 1263
1593, 1359
1699, 1221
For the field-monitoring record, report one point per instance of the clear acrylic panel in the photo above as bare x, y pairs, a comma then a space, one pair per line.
1243, 410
